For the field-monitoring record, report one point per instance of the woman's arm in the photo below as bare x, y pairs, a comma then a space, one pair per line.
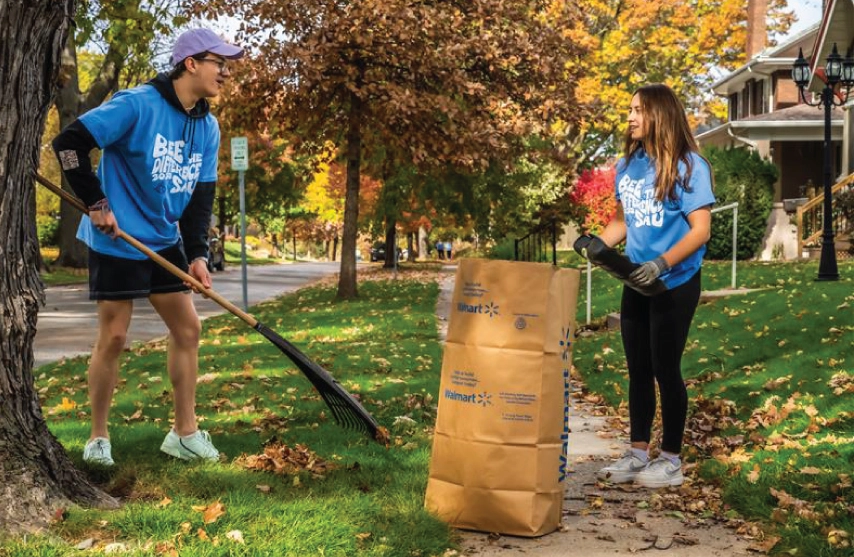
615, 231
700, 222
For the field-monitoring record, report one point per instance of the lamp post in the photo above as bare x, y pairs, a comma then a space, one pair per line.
837, 72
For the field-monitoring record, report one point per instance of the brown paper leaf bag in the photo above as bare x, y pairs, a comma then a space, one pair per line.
499, 449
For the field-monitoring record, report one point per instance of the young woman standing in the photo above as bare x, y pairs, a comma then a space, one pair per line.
664, 199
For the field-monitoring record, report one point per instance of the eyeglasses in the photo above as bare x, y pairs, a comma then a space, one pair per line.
221, 64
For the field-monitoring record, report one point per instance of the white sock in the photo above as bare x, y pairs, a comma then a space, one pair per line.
672, 457
641, 454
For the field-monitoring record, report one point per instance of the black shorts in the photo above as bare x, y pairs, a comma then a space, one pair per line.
117, 278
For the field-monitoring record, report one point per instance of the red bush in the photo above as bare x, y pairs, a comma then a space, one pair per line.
593, 197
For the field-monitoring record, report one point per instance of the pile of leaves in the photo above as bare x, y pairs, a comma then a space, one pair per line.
279, 458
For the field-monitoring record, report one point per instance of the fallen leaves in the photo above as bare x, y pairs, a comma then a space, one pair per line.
281, 459
210, 513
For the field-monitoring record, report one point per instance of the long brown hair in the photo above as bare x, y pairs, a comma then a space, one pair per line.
667, 141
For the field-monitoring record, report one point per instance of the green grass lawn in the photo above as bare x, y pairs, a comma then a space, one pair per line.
771, 384
383, 347
771, 425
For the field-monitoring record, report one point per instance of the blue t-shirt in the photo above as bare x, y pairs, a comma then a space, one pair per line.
152, 157
652, 226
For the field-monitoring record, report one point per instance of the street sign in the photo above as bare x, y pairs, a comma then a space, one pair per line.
239, 153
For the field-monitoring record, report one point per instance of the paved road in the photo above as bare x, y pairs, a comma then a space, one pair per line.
68, 324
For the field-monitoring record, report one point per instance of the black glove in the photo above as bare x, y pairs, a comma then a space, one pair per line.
648, 272
581, 244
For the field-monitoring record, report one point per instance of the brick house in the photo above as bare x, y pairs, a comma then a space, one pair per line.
765, 113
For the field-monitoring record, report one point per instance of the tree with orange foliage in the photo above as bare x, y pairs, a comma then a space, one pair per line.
431, 83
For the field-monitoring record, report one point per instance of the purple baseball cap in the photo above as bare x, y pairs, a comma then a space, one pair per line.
196, 41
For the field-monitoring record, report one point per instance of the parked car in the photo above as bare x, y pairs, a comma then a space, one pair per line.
378, 252
216, 253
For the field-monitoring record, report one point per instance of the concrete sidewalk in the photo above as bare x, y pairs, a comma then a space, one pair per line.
601, 521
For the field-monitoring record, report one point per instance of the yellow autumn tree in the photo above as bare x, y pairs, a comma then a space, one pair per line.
687, 44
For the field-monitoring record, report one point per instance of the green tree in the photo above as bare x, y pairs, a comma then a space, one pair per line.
431, 83
741, 176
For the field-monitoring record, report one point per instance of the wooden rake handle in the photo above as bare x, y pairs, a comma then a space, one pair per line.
186, 277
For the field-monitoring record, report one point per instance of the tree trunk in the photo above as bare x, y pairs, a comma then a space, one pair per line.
70, 104
347, 278
423, 247
36, 475
72, 252
390, 244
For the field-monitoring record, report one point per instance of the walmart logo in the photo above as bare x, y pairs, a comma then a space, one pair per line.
490, 309
482, 399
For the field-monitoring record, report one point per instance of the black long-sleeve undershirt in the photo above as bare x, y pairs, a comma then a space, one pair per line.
72, 147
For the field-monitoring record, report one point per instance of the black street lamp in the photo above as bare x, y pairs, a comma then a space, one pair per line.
837, 72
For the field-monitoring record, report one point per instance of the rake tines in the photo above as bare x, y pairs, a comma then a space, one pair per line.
346, 410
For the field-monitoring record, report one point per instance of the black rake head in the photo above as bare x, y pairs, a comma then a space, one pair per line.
347, 411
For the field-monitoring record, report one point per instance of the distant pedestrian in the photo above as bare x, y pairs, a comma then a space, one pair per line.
664, 199
440, 249
159, 145
448, 247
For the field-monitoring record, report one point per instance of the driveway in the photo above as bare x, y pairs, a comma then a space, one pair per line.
68, 323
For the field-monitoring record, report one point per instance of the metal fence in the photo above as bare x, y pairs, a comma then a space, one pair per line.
534, 246
731, 206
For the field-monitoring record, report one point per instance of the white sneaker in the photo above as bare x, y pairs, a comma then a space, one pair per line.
98, 451
661, 472
192, 447
623, 471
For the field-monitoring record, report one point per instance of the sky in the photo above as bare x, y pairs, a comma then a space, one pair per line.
808, 12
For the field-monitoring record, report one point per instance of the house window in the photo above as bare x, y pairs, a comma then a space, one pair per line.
732, 104
744, 111
758, 97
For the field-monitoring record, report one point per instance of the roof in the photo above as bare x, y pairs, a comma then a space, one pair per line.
837, 26
780, 57
797, 113
796, 123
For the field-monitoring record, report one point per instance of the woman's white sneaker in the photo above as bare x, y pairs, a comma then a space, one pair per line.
623, 471
660, 472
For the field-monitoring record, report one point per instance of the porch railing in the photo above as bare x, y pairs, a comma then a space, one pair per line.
534, 246
810, 217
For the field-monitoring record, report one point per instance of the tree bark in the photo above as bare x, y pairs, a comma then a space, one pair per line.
411, 247
347, 278
390, 243
36, 475
71, 103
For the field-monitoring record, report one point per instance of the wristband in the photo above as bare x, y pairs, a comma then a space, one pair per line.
101, 205
200, 258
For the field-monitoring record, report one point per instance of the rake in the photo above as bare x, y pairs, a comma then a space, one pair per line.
346, 410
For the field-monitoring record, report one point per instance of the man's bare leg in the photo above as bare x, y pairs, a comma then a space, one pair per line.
178, 312
113, 321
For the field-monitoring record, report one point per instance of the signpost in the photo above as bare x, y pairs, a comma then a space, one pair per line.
240, 163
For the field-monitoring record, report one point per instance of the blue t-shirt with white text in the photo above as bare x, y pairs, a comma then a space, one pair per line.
652, 226
152, 157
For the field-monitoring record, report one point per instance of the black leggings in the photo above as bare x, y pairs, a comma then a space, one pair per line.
654, 331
